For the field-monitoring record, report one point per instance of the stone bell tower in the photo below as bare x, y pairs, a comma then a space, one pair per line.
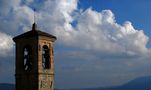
34, 60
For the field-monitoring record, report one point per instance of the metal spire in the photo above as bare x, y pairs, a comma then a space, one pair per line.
34, 15
34, 26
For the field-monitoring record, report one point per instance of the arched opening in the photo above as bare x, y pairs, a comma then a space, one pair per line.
45, 57
27, 58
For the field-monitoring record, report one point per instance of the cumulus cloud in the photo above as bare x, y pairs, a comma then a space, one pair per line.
96, 31
99, 31
6, 44
15, 17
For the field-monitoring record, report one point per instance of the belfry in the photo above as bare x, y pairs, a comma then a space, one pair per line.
34, 68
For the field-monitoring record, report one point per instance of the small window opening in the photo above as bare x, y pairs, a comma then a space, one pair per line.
27, 58
45, 57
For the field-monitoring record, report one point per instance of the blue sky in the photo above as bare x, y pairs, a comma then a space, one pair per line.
136, 11
101, 43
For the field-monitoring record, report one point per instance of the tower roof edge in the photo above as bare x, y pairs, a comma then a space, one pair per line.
34, 33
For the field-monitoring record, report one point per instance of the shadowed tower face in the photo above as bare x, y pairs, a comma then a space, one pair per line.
34, 60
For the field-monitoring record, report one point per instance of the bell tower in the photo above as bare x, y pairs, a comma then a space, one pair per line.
34, 60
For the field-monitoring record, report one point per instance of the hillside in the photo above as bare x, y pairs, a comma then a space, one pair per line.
143, 83
5, 86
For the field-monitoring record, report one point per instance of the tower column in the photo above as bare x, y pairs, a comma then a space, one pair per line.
34, 69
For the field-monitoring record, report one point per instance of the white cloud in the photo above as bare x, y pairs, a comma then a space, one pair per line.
98, 31
6, 44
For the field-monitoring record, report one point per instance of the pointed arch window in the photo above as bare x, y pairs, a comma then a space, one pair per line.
27, 58
45, 57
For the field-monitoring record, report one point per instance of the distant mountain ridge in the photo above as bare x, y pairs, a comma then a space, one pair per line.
6, 86
143, 83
